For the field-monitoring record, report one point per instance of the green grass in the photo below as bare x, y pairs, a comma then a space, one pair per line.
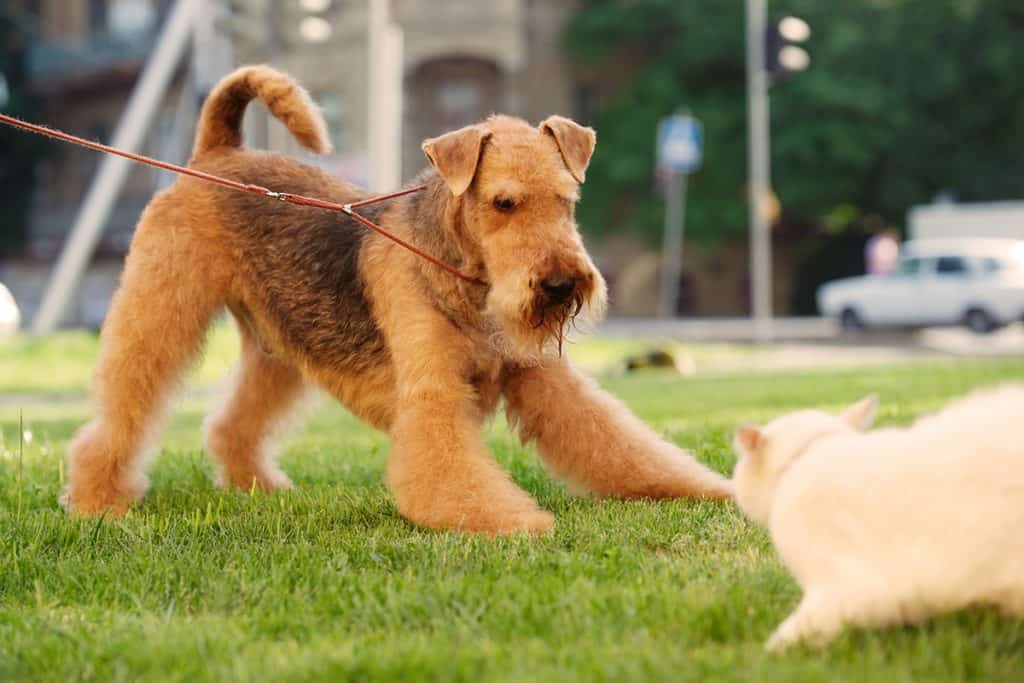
327, 582
63, 363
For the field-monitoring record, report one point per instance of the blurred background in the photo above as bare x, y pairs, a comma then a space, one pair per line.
889, 121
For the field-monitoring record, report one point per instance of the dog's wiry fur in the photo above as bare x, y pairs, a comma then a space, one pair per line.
405, 346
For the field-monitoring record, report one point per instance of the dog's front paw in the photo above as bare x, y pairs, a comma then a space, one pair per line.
535, 523
489, 521
720, 489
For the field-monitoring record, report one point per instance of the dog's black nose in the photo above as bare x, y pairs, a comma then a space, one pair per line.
558, 290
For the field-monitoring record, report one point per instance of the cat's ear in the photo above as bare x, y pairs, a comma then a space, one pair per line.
748, 441
861, 414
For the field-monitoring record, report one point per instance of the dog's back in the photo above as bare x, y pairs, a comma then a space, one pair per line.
297, 281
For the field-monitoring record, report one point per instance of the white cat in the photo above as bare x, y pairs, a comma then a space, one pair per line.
894, 525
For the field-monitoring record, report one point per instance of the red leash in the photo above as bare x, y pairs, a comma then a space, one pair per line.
297, 199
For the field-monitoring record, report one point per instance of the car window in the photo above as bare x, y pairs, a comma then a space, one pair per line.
909, 266
950, 266
990, 265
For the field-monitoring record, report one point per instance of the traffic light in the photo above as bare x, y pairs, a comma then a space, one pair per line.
312, 26
784, 54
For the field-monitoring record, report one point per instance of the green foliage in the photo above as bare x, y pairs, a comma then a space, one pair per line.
688, 53
904, 98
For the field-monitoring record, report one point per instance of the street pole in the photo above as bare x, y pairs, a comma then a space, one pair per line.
213, 55
384, 129
759, 185
672, 249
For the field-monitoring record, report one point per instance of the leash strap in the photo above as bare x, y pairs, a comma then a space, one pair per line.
297, 199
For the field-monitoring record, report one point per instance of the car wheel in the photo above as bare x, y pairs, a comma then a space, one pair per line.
980, 321
850, 320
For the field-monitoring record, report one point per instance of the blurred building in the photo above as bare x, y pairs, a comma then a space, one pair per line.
950, 220
463, 59
82, 68
82, 65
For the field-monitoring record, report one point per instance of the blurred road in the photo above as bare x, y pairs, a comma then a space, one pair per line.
821, 332
717, 329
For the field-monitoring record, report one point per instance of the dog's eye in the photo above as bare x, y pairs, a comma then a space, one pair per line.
504, 204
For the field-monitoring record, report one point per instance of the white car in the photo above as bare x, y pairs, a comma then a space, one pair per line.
974, 282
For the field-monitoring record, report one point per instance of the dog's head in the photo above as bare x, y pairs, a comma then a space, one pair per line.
516, 189
765, 452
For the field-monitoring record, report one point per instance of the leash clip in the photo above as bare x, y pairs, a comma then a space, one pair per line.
347, 209
283, 196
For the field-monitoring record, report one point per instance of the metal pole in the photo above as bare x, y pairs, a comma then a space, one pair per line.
271, 133
129, 135
672, 248
213, 55
177, 146
760, 172
384, 123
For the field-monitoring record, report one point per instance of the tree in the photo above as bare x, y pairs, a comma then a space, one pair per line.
687, 53
904, 99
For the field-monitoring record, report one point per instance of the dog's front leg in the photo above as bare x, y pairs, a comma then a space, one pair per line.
595, 443
442, 477
439, 470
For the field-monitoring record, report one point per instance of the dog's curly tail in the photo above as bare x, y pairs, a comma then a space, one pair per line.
220, 123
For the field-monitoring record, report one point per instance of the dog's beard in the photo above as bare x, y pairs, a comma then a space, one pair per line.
552, 321
527, 330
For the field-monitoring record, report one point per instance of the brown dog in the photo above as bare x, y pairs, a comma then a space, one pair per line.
404, 345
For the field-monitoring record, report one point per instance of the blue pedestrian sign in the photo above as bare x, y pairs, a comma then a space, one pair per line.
679, 143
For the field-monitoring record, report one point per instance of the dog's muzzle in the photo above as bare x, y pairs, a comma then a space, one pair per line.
557, 291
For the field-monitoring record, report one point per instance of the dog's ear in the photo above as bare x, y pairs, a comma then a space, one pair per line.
456, 155
749, 441
861, 414
575, 142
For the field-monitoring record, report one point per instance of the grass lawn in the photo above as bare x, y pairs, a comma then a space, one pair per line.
327, 582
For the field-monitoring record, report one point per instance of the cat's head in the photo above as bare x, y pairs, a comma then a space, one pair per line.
765, 452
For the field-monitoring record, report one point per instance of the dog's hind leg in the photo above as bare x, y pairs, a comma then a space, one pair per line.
264, 394
596, 444
153, 331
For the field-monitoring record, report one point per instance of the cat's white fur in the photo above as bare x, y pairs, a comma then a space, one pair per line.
894, 525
